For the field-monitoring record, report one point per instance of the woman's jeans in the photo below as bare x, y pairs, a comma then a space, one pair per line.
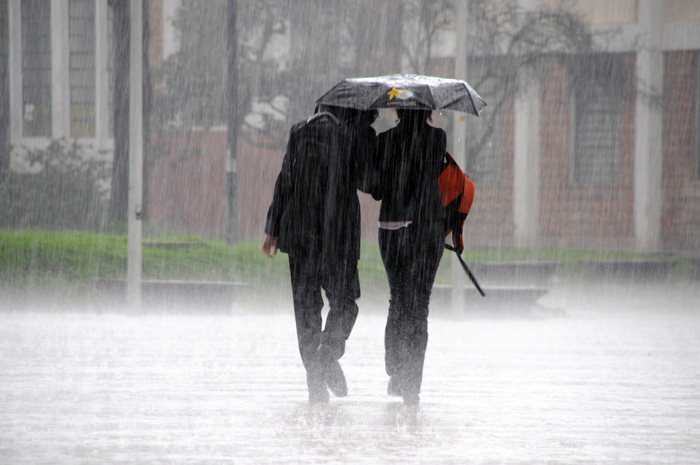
411, 256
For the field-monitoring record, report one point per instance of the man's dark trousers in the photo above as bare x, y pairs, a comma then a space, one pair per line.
342, 288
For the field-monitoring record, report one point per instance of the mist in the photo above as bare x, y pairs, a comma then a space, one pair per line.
584, 233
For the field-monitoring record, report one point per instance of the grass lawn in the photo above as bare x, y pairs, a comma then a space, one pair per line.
71, 260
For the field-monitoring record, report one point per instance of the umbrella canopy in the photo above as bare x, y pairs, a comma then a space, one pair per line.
406, 91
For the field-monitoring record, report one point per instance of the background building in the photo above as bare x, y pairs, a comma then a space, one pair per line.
590, 141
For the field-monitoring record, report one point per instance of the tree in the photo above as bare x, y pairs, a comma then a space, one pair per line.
195, 90
222, 72
425, 19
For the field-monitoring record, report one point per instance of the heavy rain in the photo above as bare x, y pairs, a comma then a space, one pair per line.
140, 146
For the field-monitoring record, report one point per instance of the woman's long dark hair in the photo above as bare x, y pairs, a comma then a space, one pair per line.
412, 143
414, 117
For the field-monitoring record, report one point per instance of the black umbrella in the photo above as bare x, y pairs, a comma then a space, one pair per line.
407, 91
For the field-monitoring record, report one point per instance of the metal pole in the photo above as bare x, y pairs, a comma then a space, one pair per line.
459, 142
135, 157
232, 130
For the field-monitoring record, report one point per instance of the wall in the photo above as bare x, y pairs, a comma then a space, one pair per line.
187, 185
581, 215
680, 227
490, 222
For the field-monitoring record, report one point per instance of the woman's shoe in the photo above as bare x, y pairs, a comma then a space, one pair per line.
393, 388
411, 398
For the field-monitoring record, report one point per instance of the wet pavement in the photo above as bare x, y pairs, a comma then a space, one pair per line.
596, 375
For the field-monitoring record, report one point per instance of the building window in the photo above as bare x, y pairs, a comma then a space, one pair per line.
36, 67
598, 122
82, 67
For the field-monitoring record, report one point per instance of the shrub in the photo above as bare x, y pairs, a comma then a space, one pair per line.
68, 191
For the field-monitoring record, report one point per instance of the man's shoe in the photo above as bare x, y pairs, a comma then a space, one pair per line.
318, 396
335, 378
318, 392
333, 373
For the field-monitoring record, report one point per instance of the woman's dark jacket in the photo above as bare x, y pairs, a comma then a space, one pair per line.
408, 165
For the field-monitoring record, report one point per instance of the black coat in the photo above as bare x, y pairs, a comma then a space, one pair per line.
408, 165
315, 206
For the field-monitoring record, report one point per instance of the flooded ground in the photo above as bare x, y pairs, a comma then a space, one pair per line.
598, 375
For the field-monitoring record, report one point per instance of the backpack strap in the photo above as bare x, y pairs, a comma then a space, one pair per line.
324, 114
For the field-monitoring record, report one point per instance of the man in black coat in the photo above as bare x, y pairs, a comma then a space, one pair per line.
315, 218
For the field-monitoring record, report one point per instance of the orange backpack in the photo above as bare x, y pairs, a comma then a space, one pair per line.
457, 192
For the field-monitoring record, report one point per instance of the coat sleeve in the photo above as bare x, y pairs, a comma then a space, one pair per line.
441, 143
364, 154
377, 168
283, 190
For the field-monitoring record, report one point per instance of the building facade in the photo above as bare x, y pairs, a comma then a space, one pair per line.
612, 166
615, 165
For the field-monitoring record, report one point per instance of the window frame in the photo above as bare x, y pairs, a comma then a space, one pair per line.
82, 126
42, 76
103, 138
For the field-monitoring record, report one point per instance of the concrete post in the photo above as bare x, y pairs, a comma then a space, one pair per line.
648, 193
135, 207
15, 64
60, 70
101, 74
459, 143
526, 156
232, 123
526, 167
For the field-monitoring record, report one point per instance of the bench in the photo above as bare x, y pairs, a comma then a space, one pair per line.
501, 299
173, 293
627, 270
515, 273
